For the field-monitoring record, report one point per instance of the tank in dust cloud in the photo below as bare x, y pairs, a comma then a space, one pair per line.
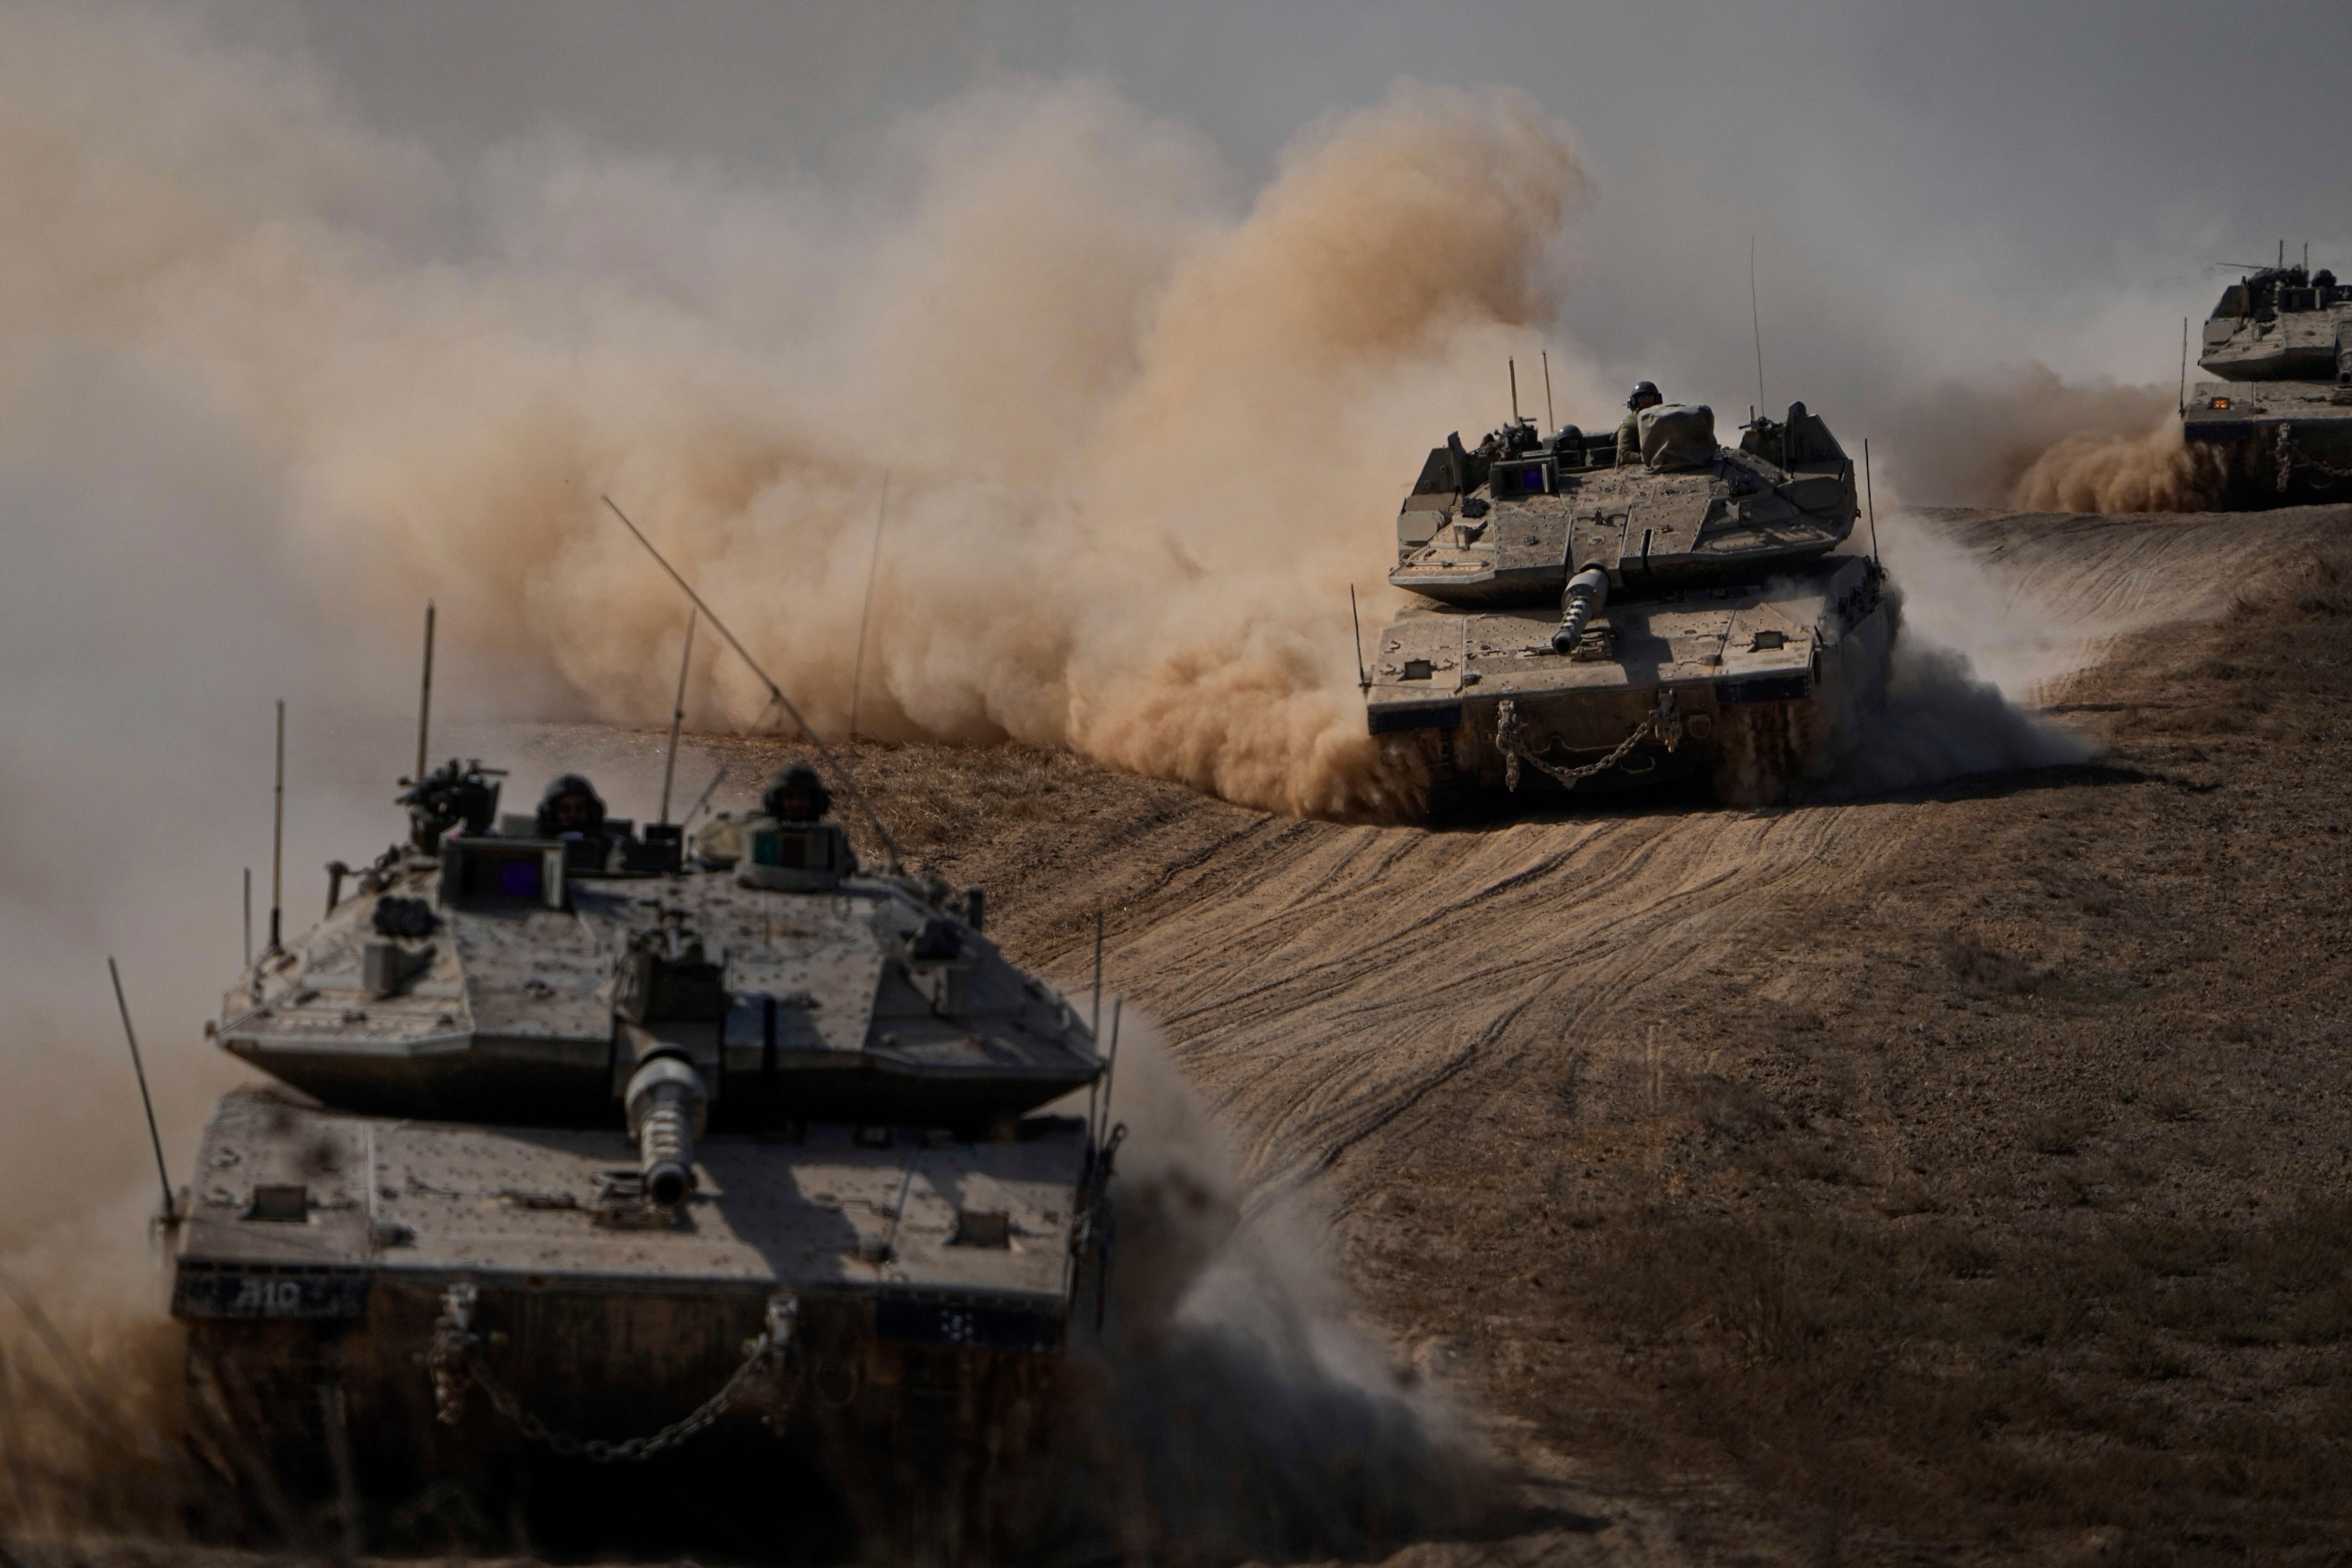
591, 1152
2280, 419
1593, 628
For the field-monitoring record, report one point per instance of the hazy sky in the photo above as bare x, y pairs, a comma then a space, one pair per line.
2036, 159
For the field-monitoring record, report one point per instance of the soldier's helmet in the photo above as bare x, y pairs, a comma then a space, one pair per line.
797, 795
1644, 390
570, 805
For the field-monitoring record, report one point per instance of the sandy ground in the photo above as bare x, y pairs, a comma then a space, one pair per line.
1953, 1177
1958, 1178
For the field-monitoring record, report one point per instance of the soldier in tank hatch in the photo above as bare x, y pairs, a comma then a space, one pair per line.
570, 805
796, 794
1629, 430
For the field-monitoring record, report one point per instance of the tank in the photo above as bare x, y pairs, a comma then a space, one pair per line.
1590, 627
615, 1149
2279, 421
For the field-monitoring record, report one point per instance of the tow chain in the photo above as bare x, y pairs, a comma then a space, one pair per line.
1666, 720
456, 1364
2289, 454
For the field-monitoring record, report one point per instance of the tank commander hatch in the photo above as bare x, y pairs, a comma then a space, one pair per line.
570, 805
1629, 431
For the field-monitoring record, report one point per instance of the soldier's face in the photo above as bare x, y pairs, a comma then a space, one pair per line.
798, 804
572, 813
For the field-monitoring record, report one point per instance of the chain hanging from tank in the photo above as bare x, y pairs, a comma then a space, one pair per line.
1666, 720
2290, 455
456, 1362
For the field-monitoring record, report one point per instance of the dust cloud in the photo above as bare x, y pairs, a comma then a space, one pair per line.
2154, 471
1133, 422
1974, 650
1240, 1414
2033, 441
1973, 441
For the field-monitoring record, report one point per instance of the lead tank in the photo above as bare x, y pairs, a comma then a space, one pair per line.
589, 1143
1592, 626
2278, 423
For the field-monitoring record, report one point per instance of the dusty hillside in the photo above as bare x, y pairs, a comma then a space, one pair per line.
1942, 1178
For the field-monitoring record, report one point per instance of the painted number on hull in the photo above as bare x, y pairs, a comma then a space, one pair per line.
207, 1294
967, 1325
267, 1299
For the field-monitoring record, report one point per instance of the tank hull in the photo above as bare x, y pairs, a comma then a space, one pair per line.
1754, 688
2277, 443
932, 1287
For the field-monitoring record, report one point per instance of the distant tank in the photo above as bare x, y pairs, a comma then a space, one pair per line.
2279, 422
592, 1140
1596, 628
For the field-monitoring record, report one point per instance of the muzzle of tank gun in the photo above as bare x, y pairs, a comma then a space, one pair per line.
668, 1106
1588, 591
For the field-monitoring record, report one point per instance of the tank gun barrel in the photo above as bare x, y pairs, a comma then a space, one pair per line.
667, 1106
1588, 591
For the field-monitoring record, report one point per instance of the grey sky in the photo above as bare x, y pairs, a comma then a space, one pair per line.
2024, 155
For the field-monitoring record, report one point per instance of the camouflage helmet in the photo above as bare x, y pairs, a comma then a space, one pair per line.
798, 779
575, 786
1643, 389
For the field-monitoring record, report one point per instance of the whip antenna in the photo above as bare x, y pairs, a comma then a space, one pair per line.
425, 698
1363, 681
1550, 419
163, 1175
1755, 324
1872, 496
2184, 367
677, 714
873, 566
775, 693
278, 835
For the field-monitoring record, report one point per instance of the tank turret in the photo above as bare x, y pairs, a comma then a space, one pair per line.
1601, 613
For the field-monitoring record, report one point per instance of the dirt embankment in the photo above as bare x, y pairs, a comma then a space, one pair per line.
1957, 1176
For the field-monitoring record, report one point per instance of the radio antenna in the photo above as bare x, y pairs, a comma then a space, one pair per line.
677, 714
162, 1173
873, 566
2184, 367
278, 835
425, 698
1514, 365
1871, 495
1110, 1060
1755, 324
1363, 682
775, 693
1550, 420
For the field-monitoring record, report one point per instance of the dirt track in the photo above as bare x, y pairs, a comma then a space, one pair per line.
1936, 1178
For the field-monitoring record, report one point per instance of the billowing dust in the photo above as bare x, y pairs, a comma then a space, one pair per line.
1133, 425
2154, 471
